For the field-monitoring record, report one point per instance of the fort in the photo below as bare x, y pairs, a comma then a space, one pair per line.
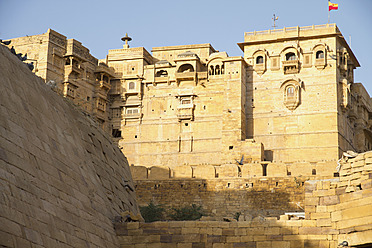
291, 98
263, 135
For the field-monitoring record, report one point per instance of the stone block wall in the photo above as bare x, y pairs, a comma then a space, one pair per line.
225, 197
62, 180
228, 189
344, 204
336, 210
259, 233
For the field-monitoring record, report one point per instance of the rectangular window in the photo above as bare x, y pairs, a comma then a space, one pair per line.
101, 104
116, 112
132, 111
116, 133
185, 101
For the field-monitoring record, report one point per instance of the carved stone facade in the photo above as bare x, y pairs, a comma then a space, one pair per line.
290, 98
67, 65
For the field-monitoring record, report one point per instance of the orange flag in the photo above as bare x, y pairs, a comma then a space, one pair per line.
332, 6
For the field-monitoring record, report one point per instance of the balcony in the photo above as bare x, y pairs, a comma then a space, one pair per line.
104, 85
162, 79
291, 66
103, 68
186, 76
72, 68
260, 68
185, 112
132, 116
320, 63
100, 114
116, 90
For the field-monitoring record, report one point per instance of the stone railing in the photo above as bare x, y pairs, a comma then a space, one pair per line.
291, 66
290, 29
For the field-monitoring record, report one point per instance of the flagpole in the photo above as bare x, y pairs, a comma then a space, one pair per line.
328, 11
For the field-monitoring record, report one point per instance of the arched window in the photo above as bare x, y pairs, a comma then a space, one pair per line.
162, 73
186, 68
222, 69
131, 85
218, 70
211, 70
290, 91
290, 56
291, 94
259, 60
319, 55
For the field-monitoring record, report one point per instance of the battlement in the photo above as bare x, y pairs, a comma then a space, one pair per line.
290, 31
249, 170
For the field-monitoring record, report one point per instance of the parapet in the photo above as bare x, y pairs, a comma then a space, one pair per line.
326, 169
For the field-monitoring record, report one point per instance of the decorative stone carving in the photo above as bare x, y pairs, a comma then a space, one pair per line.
292, 93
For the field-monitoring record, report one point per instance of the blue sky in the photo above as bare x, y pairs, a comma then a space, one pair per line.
99, 24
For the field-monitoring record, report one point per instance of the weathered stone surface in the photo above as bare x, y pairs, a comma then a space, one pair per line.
224, 197
182, 171
159, 172
61, 177
228, 170
139, 172
204, 171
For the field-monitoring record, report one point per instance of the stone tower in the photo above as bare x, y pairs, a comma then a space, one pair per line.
300, 99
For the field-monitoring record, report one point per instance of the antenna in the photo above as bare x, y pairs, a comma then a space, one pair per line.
275, 18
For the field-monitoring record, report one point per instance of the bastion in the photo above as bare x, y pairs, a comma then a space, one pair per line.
62, 179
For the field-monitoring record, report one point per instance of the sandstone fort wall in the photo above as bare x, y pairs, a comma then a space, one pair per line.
336, 210
220, 190
225, 197
62, 180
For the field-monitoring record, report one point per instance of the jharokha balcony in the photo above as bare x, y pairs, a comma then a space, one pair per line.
185, 112
186, 75
291, 66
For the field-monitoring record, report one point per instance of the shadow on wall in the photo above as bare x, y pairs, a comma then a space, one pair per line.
221, 197
250, 103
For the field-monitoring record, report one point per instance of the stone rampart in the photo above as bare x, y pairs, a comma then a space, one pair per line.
62, 180
225, 197
228, 189
336, 210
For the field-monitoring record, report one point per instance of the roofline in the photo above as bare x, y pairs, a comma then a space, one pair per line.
352, 55
337, 34
183, 47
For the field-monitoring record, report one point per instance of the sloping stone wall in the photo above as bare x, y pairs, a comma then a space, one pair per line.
62, 180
